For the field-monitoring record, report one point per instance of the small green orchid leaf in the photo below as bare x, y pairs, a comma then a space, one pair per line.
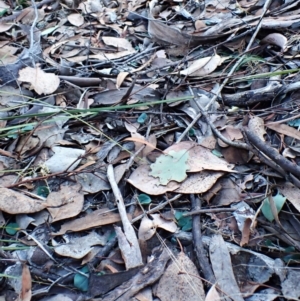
170, 167
217, 153
294, 123
144, 199
184, 222
43, 191
142, 118
80, 281
12, 228
279, 201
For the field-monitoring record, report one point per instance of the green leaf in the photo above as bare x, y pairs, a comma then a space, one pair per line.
184, 222
12, 228
192, 132
81, 282
142, 118
170, 167
292, 258
217, 153
144, 199
3, 12
43, 191
279, 201
295, 123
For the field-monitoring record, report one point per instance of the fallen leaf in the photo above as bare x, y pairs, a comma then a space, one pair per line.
284, 129
170, 167
42, 82
200, 158
64, 159
292, 193
65, 203
120, 43
148, 226
256, 125
276, 39
199, 182
96, 218
25, 294
76, 19
79, 246
141, 180
203, 66
222, 268
14, 202
180, 281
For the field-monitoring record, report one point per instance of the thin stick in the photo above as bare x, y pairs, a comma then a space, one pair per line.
266, 6
130, 247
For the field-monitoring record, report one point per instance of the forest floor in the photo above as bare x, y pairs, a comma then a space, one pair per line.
150, 150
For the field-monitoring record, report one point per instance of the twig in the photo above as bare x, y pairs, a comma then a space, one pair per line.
215, 97
272, 154
198, 245
157, 208
209, 210
130, 247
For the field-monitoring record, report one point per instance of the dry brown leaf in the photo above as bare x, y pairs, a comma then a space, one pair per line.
5, 26
42, 82
101, 56
120, 43
25, 294
96, 218
14, 202
78, 247
201, 158
180, 281
276, 39
213, 294
203, 66
65, 203
199, 182
148, 226
292, 193
256, 125
284, 129
222, 267
120, 78
141, 180
246, 232
141, 140
76, 19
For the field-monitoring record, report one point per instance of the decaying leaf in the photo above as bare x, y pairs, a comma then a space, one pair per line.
203, 66
180, 281
76, 19
96, 218
292, 193
25, 294
141, 179
275, 39
148, 226
78, 246
64, 159
66, 202
256, 125
200, 158
42, 82
14, 202
170, 167
222, 267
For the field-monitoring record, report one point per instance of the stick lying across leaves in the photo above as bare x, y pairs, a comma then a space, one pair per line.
128, 241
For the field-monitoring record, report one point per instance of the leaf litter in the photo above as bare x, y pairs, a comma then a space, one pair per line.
192, 105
